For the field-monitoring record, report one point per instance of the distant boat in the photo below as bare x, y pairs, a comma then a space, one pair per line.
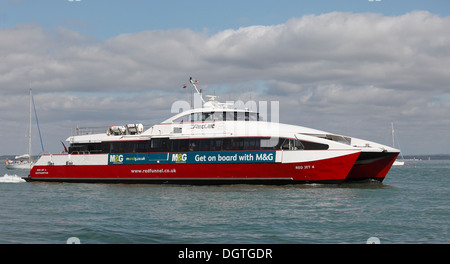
20, 162
25, 161
397, 162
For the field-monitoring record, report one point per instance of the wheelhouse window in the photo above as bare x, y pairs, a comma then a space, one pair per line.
218, 116
196, 117
182, 119
228, 116
254, 117
207, 116
239, 116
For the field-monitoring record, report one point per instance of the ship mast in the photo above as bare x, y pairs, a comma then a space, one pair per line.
199, 92
29, 130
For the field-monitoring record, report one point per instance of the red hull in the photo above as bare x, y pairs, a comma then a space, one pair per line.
372, 166
332, 170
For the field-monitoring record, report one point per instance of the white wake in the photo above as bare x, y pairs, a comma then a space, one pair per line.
11, 178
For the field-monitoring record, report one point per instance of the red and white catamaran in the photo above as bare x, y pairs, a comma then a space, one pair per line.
214, 144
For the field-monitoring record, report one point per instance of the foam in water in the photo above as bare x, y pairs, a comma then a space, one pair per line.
11, 178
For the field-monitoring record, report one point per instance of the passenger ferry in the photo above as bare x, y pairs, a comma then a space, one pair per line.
215, 144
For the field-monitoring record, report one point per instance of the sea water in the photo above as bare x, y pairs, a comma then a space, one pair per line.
410, 206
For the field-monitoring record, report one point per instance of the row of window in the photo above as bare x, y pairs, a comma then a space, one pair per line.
219, 116
186, 145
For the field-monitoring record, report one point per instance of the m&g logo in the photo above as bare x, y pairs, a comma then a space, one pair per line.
116, 158
179, 157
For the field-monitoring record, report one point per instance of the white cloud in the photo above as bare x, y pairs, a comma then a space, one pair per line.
344, 72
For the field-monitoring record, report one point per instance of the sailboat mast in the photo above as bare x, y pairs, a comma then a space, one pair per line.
393, 140
29, 131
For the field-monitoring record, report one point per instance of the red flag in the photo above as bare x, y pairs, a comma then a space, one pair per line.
184, 86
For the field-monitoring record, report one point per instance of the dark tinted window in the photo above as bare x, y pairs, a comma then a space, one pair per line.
185, 145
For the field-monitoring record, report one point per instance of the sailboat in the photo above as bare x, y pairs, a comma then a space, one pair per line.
397, 162
25, 161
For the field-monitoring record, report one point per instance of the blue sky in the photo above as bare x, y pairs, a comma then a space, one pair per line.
349, 67
108, 18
